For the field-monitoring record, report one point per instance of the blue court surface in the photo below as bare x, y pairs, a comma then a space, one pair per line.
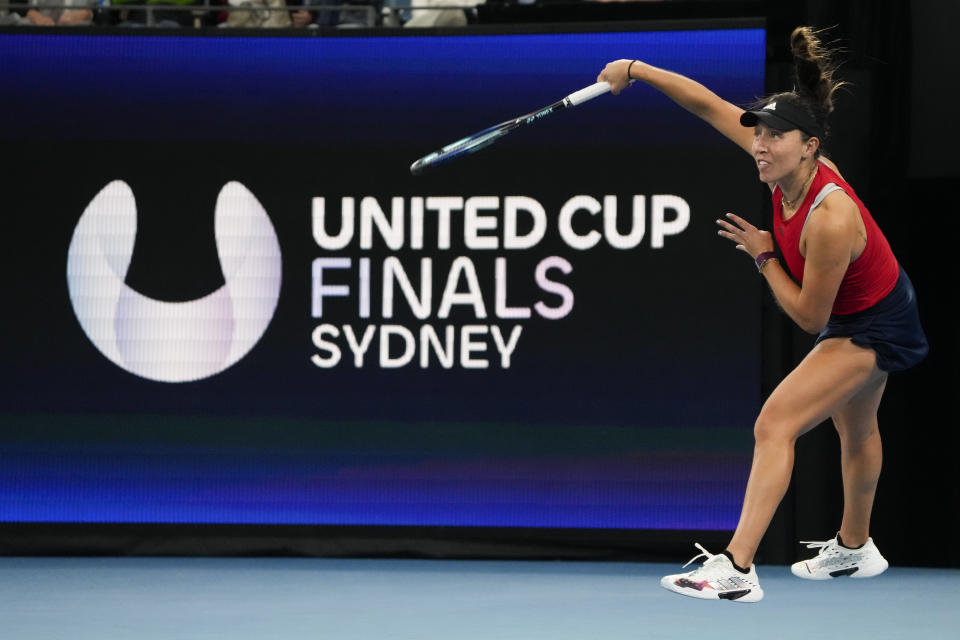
370, 599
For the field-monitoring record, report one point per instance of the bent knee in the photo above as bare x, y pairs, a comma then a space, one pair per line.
772, 427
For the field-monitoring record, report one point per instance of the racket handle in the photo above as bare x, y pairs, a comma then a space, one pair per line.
588, 93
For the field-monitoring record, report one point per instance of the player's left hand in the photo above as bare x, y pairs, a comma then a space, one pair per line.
748, 238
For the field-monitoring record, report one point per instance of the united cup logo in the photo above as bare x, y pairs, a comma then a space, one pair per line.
174, 341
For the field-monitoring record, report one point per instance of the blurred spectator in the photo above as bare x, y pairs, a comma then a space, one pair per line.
48, 13
259, 14
356, 13
303, 16
440, 17
8, 17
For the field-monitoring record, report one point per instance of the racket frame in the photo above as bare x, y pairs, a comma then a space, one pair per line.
488, 136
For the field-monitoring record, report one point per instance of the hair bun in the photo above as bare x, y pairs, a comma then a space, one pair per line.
813, 67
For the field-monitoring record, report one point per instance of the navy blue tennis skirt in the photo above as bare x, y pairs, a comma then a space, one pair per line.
891, 328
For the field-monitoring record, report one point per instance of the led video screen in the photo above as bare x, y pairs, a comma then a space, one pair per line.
229, 301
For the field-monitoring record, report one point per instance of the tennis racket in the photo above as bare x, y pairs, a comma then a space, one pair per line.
485, 138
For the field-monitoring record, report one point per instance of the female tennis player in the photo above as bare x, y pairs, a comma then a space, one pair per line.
838, 278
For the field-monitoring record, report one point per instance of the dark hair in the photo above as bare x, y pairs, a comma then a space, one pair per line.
813, 68
813, 83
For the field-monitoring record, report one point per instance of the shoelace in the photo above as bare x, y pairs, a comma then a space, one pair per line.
823, 545
705, 554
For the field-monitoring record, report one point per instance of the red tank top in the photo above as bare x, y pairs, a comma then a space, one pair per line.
869, 278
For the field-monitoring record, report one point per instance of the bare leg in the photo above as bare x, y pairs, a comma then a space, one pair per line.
822, 384
861, 458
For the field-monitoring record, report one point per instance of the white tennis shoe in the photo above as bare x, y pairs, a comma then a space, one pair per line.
834, 560
715, 579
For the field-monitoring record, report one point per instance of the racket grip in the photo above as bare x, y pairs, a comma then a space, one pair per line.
588, 93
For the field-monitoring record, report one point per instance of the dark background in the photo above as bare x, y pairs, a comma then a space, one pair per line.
894, 143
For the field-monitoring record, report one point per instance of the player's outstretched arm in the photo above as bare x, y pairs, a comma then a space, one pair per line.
689, 94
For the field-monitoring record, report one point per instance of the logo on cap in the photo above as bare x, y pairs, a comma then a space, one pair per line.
174, 341
772, 106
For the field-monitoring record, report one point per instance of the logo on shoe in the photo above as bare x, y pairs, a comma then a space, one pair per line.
690, 584
174, 341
